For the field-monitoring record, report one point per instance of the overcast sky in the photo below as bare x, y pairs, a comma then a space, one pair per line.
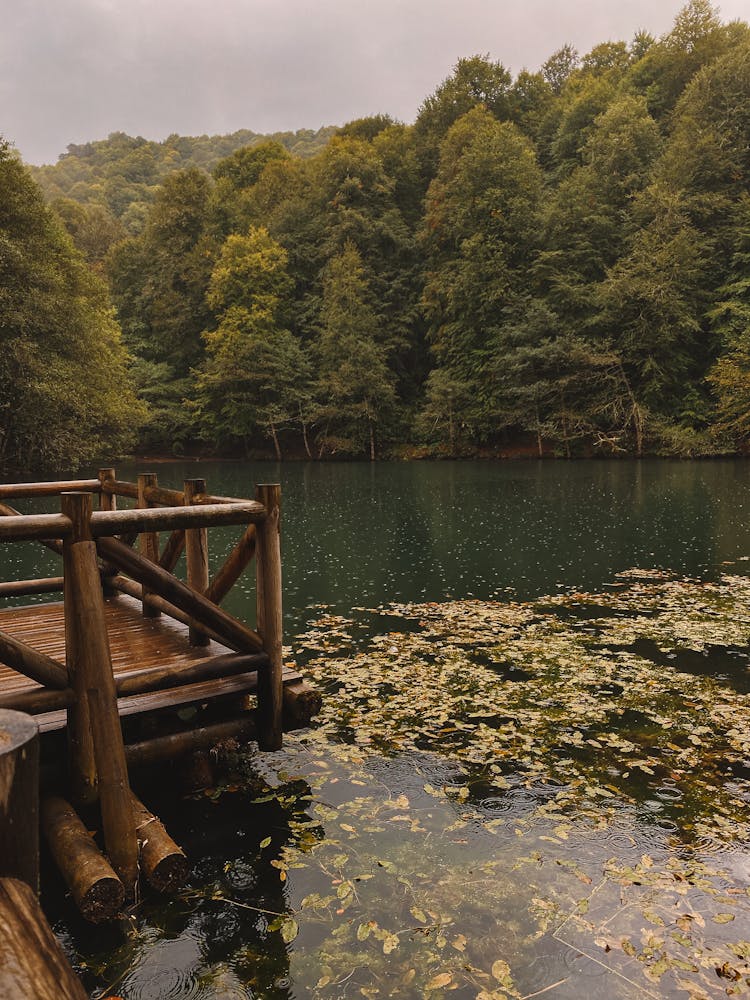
75, 70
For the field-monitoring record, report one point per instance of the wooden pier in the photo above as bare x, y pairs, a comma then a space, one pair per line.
130, 644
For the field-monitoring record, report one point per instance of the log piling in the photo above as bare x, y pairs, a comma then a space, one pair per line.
96, 890
19, 798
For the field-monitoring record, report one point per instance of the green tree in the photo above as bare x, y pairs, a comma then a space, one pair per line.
730, 321
65, 397
479, 236
475, 82
255, 375
355, 392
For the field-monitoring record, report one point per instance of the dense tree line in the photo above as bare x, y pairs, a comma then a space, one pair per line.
558, 261
65, 394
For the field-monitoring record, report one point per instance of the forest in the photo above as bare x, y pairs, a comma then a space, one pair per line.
551, 264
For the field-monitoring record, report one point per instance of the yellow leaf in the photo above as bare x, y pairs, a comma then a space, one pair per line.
440, 980
500, 970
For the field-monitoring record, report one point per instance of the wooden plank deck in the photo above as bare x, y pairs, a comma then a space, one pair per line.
135, 643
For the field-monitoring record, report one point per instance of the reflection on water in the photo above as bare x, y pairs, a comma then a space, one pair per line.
362, 534
501, 799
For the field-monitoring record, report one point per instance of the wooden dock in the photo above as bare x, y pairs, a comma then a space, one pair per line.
128, 645
159, 646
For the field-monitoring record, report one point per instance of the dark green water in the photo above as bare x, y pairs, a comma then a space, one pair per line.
419, 867
360, 534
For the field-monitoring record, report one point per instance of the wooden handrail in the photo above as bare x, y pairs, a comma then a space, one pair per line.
44, 527
161, 494
23, 588
105, 523
25, 491
34, 527
233, 632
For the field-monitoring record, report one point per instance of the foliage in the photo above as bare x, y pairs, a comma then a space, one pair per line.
255, 373
554, 256
65, 396
354, 388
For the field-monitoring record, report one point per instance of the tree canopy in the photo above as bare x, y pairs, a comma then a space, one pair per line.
554, 262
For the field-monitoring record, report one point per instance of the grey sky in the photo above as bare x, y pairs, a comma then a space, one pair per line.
75, 70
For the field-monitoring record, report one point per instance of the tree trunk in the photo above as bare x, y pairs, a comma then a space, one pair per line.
539, 445
275, 437
372, 442
304, 434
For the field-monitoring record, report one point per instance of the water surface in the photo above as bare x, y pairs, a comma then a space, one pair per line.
512, 791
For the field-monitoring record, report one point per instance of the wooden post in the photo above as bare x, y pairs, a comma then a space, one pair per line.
107, 501
196, 553
19, 798
149, 539
97, 891
81, 761
95, 678
268, 596
32, 963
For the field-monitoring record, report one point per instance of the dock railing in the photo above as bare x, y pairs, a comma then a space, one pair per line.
99, 558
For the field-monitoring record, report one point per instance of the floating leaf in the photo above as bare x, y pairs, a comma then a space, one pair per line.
439, 981
289, 930
501, 971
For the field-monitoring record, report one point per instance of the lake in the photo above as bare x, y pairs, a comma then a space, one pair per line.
530, 776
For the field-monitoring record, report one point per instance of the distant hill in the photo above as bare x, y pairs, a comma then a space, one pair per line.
123, 172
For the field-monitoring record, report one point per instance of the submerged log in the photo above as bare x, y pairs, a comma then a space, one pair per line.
97, 891
162, 862
19, 798
32, 963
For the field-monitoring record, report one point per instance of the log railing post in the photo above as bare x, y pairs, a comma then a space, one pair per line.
269, 617
149, 539
107, 501
81, 762
94, 678
196, 554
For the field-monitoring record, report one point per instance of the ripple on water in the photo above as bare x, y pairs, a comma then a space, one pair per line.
162, 982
